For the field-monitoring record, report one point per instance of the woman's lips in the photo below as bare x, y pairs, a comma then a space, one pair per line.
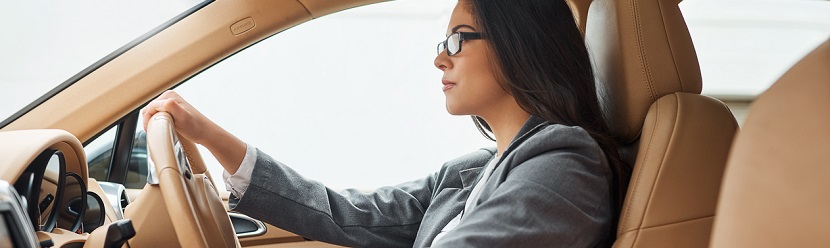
447, 84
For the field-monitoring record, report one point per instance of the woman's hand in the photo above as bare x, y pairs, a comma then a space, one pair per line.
188, 121
197, 128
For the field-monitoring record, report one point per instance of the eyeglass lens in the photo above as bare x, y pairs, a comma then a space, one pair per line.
453, 44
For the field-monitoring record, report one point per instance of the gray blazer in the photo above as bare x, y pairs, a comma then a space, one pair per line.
551, 188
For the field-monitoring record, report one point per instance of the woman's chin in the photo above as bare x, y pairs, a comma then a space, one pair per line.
454, 110
451, 111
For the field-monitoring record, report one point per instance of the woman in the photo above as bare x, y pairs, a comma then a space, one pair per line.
554, 179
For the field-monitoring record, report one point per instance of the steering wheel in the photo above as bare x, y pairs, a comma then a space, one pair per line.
196, 210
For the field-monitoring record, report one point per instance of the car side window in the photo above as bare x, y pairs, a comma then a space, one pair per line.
119, 154
99, 154
342, 97
137, 167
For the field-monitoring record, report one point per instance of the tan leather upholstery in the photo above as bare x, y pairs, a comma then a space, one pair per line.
197, 163
154, 225
649, 84
19, 148
318, 8
98, 237
674, 186
151, 220
200, 219
62, 237
776, 192
642, 51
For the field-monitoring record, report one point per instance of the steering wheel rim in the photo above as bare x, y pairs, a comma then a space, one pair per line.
195, 208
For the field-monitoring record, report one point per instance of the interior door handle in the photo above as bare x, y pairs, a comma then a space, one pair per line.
246, 226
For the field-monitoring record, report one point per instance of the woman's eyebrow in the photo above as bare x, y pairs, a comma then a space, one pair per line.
455, 29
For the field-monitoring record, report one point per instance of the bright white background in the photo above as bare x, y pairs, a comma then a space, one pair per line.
352, 99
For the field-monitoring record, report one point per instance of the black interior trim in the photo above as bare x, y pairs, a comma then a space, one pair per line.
123, 148
29, 185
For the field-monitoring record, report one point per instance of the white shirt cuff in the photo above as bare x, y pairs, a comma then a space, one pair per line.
239, 181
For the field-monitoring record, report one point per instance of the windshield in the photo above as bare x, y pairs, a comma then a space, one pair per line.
47, 42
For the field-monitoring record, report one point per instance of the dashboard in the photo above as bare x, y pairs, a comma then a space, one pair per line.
56, 197
47, 199
45, 174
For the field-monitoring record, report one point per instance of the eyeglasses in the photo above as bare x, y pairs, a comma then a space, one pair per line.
453, 42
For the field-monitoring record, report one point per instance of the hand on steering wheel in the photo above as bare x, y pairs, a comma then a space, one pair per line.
199, 217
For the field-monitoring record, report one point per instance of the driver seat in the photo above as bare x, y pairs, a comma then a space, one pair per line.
649, 84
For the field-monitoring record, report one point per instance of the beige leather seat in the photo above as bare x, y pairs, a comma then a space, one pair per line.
678, 140
776, 191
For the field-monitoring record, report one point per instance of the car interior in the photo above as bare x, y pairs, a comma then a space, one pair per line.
677, 139
697, 181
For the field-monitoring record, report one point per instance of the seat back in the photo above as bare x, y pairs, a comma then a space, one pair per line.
649, 83
776, 192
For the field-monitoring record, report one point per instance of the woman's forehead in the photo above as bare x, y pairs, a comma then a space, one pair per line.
461, 18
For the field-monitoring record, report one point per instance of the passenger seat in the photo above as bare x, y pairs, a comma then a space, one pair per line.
776, 192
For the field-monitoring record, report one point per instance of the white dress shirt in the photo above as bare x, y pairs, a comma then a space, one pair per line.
238, 182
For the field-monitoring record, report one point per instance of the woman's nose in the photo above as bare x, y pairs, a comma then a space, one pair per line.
442, 61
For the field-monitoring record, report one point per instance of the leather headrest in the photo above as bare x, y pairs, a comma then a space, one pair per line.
641, 50
775, 191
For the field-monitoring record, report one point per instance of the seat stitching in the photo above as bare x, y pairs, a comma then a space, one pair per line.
672, 223
637, 29
680, 221
640, 171
662, 164
644, 66
671, 51
665, 154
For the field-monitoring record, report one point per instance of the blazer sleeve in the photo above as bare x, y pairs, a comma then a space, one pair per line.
387, 217
557, 195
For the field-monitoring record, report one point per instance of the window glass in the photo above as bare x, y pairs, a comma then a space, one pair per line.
47, 42
99, 157
744, 46
351, 99
99, 154
137, 167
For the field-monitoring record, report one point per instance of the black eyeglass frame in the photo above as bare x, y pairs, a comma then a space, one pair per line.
462, 36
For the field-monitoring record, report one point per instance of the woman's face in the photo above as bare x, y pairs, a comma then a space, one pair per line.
470, 83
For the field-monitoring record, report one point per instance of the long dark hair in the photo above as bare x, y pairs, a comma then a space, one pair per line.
542, 56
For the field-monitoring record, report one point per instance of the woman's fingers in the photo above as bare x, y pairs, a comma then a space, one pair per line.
180, 116
187, 120
166, 102
170, 95
148, 111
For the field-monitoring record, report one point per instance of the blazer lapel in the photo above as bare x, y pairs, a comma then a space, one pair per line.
470, 176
